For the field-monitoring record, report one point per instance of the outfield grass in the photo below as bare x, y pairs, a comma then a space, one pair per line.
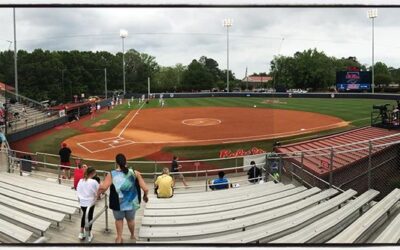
356, 111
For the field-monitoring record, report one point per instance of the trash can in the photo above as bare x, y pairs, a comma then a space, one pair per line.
26, 165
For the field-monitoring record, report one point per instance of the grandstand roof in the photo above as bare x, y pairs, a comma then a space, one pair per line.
317, 151
71, 106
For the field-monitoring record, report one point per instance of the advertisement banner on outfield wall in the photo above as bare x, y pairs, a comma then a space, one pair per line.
258, 159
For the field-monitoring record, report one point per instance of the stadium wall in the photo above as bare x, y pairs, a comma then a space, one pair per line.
35, 130
382, 96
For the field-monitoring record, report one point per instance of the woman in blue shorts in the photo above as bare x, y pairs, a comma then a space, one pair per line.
123, 181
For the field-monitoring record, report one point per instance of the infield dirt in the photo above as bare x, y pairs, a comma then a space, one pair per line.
144, 132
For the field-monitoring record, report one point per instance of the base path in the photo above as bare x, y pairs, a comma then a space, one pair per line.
144, 132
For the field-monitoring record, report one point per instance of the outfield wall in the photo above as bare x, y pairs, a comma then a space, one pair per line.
275, 95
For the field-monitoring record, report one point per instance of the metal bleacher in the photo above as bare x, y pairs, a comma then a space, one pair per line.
277, 214
29, 207
35, 112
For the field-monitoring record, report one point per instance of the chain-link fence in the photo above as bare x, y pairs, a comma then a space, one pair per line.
360, 166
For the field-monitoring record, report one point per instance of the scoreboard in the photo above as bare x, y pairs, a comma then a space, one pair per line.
353, 80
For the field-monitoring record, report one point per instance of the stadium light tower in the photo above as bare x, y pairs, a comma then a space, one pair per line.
227, 23
15, 57
372, 14
123, 34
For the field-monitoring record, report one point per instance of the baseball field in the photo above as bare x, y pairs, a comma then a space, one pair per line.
196, 128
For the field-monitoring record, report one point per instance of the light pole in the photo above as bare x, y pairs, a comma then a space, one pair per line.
15, 56
105, 81
372, 14
62, 83
227, 23
123, 34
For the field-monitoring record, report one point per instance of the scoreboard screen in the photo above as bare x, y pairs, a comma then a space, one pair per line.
353, 80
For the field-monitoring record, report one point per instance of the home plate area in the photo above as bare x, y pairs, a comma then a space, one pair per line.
105, 144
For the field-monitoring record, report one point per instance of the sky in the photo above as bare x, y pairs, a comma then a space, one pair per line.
179, 35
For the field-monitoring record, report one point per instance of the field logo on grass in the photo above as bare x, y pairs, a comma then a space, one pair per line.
225, 153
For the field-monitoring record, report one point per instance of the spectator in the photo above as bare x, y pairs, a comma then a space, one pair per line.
92, 111
2, 140
87, 194
175, 166
220, 183
274, 171
65, 154
125, 185
164, 185
254, 173
79, 173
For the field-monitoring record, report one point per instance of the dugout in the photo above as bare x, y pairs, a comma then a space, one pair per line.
75, 110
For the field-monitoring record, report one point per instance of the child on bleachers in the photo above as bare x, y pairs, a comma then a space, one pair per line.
220, 183
87, 194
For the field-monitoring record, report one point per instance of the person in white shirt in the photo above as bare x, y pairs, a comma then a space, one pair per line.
87, 195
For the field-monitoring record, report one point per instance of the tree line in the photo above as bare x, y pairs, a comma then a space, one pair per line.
316, 71
58, 75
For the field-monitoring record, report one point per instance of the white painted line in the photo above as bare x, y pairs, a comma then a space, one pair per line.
85, 148
113, 147
137, 112
103, 140
118, 116
98, 140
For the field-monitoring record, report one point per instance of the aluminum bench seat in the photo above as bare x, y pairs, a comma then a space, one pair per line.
229, 198
41, 196
240, 203
39, 186
23, 218
363, 226
18, 233
214, 195
37, 211
391, 234
271, 231
37, 202
327, 227
157, 233
227, 214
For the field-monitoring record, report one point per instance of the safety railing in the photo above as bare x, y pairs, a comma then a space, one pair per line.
88, 223
366, 158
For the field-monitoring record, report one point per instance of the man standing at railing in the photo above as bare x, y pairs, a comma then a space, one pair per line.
65, 154
254, 173
175, 166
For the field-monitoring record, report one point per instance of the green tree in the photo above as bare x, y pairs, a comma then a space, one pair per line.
197, 77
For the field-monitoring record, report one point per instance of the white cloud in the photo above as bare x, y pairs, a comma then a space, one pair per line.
178, 35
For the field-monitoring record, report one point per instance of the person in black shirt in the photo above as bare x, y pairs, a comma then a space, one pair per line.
175, 169
254, 173
65, 154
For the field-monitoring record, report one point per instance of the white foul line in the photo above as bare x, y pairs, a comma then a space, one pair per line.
137, 112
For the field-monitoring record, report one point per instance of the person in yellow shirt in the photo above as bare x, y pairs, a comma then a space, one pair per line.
164, 185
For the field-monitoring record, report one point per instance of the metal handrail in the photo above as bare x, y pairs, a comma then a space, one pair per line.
26, 98
289, 154
89, 223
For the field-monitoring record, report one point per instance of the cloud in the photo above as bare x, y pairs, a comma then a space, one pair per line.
178, 35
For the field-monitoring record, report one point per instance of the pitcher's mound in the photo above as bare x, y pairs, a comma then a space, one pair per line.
201, 122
